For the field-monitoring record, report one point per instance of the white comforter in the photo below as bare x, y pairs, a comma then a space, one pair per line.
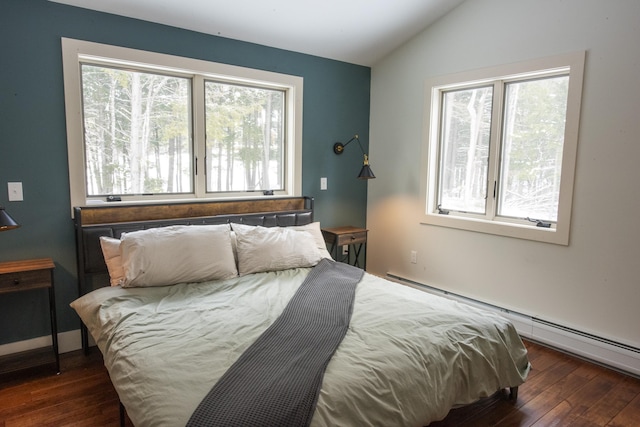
407, 358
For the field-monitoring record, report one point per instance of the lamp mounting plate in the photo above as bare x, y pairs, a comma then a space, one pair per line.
338, 147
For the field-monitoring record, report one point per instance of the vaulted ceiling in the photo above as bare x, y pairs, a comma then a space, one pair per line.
356, 31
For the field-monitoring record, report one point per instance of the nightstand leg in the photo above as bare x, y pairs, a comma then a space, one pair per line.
357, 251
84, 334
54, 325
364, 263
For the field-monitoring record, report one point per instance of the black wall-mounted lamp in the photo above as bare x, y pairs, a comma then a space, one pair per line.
6, 222
365, 172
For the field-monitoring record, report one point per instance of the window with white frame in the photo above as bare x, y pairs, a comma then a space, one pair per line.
500, 147
144, 126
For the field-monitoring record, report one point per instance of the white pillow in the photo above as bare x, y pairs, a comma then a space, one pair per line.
111, 252
177, 254
273, 248
316, 232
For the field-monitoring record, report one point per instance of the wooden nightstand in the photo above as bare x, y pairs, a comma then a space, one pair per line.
351, 237
28, 275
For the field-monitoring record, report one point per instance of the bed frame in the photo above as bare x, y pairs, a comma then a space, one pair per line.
112, 220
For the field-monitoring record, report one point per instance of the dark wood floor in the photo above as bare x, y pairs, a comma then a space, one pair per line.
560, 391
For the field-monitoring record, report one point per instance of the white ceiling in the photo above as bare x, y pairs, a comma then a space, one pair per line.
356, 31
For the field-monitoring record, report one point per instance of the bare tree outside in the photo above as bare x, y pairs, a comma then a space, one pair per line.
245, 137
138, 134
531, 146
533, 140
465, 149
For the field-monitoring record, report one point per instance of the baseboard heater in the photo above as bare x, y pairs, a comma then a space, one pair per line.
603, 351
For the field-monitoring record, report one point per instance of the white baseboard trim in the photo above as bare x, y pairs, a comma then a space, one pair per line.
67, 341
603, 351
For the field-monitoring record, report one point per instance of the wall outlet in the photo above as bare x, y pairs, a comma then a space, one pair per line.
345, 249
414, 257
323, 183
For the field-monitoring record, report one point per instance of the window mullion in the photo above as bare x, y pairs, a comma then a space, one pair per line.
437, 153
494, 150
199, 136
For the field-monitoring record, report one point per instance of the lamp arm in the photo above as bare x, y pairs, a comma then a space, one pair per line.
351, 140
360, 144
339, 147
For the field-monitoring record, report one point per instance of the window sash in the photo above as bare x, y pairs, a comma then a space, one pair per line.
540, 204
462, 187
244, 163
482, 190
76, 52
124, 152
494, 221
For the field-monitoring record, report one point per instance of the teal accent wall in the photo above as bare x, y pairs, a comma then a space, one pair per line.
33, 144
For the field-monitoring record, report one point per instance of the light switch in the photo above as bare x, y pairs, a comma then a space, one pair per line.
323, 183
15, 191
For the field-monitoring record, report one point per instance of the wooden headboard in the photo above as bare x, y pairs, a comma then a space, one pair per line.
109, 220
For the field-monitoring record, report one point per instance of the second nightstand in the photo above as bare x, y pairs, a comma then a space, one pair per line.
347, 236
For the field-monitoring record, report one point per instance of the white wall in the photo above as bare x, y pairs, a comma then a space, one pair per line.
593, 284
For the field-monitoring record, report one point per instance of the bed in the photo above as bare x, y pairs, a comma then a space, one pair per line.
406, 357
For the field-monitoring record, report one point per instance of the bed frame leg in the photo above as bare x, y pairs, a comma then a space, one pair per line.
513, 393
122, 412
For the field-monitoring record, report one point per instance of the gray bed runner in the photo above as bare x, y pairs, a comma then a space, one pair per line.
276, 381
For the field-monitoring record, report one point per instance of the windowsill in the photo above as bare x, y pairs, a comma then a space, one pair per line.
162, 200
499, 228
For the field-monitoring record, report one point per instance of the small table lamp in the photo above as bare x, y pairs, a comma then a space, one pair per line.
6, 222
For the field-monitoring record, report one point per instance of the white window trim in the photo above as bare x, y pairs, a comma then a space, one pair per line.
76, 51
559, 233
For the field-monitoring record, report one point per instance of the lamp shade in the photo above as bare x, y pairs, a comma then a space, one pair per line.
366, 173
6, 222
